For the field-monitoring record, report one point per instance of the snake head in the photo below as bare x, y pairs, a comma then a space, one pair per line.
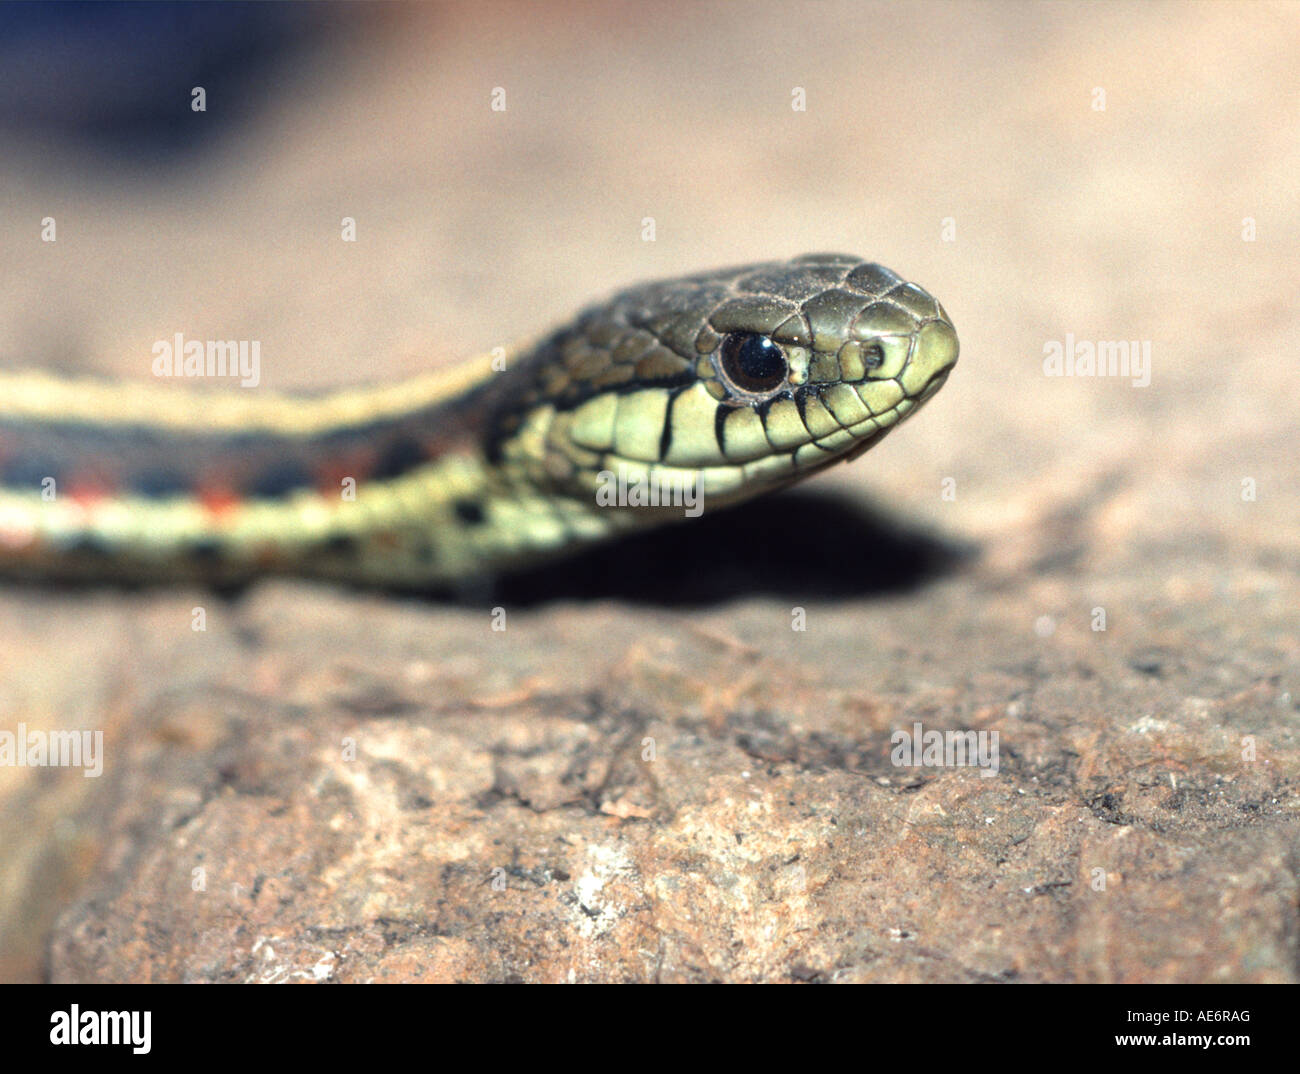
738, 380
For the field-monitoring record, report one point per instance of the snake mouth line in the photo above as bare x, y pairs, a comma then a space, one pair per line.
893, 416
868, 443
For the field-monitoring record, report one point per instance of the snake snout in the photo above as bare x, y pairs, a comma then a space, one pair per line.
934, 353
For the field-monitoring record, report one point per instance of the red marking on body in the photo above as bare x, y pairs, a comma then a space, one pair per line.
218, 499
329, 473
88, 490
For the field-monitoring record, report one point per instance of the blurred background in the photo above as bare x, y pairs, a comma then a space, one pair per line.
1111, 171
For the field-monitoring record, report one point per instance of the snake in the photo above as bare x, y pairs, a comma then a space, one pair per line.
667, 399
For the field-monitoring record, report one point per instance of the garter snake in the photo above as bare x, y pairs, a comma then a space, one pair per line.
719, 386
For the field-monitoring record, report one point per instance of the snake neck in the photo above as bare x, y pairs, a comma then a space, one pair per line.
390, 485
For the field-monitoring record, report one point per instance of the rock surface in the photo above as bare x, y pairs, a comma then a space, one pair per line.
651, 773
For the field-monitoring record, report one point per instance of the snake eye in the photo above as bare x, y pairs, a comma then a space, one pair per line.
753, 363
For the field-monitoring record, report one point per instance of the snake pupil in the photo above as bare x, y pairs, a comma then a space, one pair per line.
753, 363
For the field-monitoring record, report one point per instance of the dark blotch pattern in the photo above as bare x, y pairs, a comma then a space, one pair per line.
207, 551
280, 479
90, 546
403, 454
342, 544
28, 471
159, 484
470, 512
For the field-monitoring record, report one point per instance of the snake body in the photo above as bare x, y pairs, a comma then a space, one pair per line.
722, 385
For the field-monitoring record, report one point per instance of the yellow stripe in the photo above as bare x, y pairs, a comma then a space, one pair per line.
37, 396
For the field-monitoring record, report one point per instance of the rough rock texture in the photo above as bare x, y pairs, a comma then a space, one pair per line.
701, 796
649, 774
